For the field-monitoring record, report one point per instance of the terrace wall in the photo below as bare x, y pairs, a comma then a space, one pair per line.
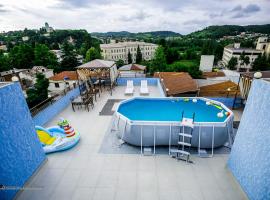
48, 113
249, 160
20, 150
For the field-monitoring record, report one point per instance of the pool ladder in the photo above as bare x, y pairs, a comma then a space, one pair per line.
184, 141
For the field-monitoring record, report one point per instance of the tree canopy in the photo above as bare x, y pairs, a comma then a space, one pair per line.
261, 63
44, 57
138, 55
158, 63
22, 57
92, 54
69, 57
129, 58
119, 63
232, 63
39, 92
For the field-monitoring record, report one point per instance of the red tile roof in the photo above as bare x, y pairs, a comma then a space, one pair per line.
177, 82
69, 75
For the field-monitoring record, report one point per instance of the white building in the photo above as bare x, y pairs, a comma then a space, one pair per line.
58, 54
43, 70
206, 63
3, 47
25, 38
235, 51
264, 45
62, 80
48, 28
117, 51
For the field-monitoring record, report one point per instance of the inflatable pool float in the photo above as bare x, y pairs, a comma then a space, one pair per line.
217, 106
58, 138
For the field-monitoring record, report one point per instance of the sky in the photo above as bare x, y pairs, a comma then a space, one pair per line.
182, 16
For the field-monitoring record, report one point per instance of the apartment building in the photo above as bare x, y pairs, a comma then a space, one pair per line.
235, 51
117, 51
263, 44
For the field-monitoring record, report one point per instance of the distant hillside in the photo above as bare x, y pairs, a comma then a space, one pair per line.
142, 35
220, 31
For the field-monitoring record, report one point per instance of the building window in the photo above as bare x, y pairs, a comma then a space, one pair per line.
56, 85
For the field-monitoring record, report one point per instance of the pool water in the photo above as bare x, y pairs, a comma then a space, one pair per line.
170, 110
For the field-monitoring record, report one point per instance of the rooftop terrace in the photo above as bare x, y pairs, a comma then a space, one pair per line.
83, 172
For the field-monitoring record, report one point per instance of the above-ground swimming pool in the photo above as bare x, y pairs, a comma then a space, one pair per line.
156, 121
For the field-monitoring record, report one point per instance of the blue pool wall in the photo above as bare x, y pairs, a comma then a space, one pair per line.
226, 101
20, 150
47, 114
249, 160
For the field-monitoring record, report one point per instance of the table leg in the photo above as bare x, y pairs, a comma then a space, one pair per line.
72, 107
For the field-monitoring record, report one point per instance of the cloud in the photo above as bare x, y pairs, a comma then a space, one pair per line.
79, 3
140, 15
134, 16
195, 22
237, 8
240, 11
251, 8
3, 9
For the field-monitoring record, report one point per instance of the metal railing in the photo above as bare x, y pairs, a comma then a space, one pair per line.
49, 101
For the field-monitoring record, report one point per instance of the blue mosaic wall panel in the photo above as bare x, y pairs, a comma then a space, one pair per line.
250, 156
20, 150
47, 114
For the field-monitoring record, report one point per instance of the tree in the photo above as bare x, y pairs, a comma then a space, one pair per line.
138, 55
246, 61
92, 54
159, 62
44, 57
172, 55
22, 56
191, 67
119, 63
242, 58
69, 57
129, 58
4, 62
232, 63
40, 91
261, 63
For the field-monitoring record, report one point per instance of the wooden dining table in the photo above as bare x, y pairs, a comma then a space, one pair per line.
80, 101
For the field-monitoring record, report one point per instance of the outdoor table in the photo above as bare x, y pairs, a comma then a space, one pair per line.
79, 101
76, 102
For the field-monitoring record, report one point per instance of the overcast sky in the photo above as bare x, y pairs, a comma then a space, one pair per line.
183, 16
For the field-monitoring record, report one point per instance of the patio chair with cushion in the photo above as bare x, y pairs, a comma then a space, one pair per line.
129, 88
144, 88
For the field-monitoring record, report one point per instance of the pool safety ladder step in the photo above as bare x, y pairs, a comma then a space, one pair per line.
185, 135
184, 144
180, 153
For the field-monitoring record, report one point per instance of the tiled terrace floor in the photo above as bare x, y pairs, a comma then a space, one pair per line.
83, 173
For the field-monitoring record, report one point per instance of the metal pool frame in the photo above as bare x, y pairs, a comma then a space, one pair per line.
124, 126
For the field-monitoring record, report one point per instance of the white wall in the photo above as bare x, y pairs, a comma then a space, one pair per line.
62, 85
207, 62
